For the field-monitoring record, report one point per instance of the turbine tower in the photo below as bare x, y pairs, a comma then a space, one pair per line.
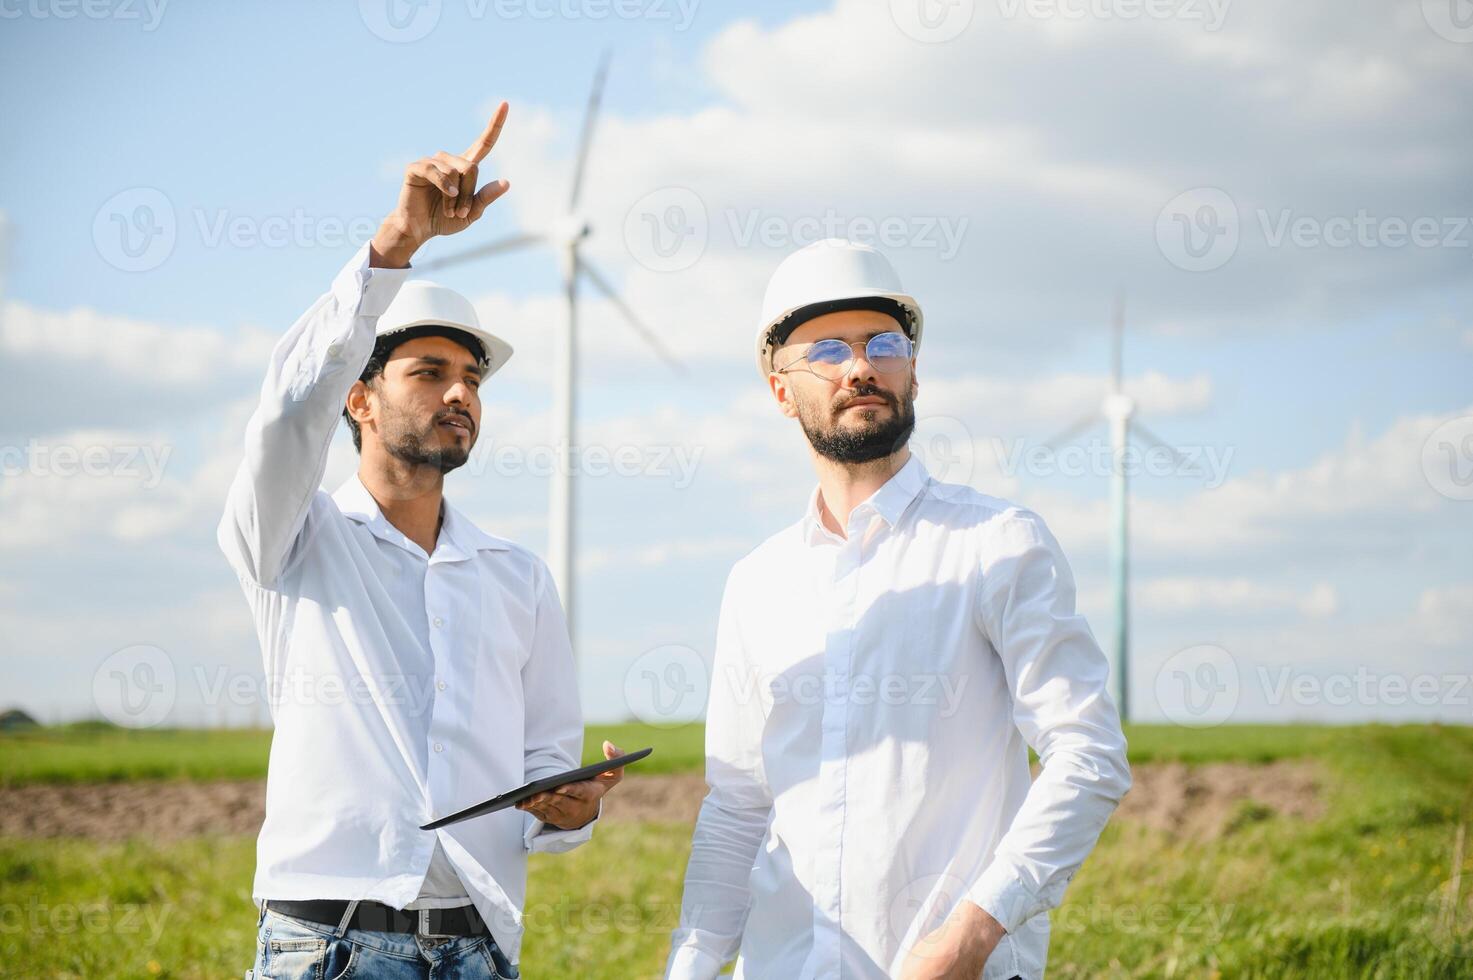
1118, 412
566, 235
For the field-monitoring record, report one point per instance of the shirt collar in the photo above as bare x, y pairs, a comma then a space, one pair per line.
889, 502
461, 536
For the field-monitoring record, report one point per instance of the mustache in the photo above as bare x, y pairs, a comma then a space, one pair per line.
453, 412
868, 391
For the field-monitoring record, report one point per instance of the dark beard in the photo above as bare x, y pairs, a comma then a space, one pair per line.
865, 443
420, 446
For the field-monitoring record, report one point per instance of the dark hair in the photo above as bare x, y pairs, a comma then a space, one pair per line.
386, 345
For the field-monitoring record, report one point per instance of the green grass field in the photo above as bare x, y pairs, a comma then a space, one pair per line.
1358, 893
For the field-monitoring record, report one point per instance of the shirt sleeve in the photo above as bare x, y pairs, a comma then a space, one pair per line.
734, 815
554, 720
1059, 680
287, 438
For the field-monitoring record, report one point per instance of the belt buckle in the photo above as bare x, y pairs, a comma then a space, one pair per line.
424, 927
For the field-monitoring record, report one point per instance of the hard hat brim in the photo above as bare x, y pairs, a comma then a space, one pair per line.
498, 351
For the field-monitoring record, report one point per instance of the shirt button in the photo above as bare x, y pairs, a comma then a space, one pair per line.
439, 622
441, 685
439, 747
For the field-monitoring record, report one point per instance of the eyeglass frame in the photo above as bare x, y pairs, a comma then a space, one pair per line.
849, 364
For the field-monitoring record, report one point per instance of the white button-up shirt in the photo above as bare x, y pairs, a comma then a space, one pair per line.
872, 702
405, 686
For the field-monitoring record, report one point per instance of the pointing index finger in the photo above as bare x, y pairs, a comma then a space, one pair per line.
487, 139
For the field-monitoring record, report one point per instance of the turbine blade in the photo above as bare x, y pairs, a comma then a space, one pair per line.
650, 337
1156, 440
585, 139
1077, 428
509, 244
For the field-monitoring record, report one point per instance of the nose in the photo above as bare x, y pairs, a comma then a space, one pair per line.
458, 393
860, 369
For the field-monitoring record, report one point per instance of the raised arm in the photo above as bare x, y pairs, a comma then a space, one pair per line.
314, 365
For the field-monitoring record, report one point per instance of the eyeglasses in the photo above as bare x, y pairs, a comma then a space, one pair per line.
887, 353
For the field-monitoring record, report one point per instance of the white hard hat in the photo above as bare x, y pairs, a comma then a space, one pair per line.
824, 277
421, 303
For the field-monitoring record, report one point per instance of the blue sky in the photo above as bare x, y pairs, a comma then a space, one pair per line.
1065, 148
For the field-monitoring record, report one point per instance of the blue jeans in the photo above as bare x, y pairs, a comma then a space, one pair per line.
288, 948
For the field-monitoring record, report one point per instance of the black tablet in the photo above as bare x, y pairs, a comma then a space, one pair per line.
513, 797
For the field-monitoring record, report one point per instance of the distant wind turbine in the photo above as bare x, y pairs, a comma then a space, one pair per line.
566, 235
1118, 412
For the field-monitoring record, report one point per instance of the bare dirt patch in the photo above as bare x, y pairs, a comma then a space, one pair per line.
1209, 800
1198, 802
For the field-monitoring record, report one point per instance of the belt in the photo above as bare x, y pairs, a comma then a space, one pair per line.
374, 916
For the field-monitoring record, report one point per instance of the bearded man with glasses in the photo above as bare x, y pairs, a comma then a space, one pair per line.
881, 668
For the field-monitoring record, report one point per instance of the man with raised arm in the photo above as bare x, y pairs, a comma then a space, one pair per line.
881, 667
417, 665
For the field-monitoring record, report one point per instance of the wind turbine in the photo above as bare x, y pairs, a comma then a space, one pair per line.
566, 235
1118, 412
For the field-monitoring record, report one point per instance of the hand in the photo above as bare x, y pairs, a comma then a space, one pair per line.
958, 949
439, 197
572, 805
